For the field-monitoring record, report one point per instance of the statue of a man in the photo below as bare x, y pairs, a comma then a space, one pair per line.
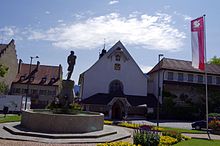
71, 60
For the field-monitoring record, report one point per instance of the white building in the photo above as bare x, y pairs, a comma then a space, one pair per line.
115, 85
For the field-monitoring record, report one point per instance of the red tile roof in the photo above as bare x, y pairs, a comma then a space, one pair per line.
51, 74
185, 66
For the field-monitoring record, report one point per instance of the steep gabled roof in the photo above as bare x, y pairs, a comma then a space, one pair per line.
110, 52
182, 65
3, 47
46, 75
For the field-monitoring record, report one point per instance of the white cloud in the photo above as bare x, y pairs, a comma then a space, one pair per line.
59, 21
8, 32
148, 31
113, 2
145, 68
47, 12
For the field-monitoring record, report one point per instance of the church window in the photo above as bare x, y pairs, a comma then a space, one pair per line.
117, 66
116, 87
117, 57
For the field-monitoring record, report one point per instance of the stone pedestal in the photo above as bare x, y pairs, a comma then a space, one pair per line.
67, 93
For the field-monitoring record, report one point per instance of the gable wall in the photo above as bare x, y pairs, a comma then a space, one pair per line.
100, 75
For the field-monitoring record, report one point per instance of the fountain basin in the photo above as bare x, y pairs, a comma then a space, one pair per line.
48, 122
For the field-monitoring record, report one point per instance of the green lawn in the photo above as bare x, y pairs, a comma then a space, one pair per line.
199, 142
9, 118
184, 130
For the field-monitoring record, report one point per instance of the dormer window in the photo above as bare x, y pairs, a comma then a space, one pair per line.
117, 57
31, 79
22, 78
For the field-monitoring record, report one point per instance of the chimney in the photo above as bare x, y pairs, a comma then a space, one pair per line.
60, 72
19, 65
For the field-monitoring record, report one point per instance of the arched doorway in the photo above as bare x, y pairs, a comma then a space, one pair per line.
116, 88
118, 110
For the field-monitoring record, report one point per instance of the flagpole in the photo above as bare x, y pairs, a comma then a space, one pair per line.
206, 80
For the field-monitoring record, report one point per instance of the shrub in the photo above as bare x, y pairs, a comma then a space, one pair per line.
120, 143
173, 134
184, 137
106, 122
157, 128
129, 125
167, 140
146, 138
75, 106
214, 124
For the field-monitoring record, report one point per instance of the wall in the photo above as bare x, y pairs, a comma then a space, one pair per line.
102, 73
9, 59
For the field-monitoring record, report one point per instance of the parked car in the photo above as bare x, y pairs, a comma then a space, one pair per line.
198, 125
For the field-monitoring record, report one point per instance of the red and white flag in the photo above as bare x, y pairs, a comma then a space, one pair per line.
198, 43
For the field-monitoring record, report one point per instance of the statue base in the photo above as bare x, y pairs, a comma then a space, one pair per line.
67, 93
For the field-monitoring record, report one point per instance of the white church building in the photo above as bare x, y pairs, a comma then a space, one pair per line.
116, 86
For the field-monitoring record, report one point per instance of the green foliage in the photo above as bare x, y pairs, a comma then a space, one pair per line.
173, 134
215, 60
10, 118
3, 88
167, 141
75, 106
214, 114
3, 70
146, 138
120, 143
199, 142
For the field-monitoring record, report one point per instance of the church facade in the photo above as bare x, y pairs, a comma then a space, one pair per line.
115, 85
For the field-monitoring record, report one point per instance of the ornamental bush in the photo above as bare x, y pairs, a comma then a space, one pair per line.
106, 122
173, 134
214, 125
129, 125
146, 138
167, 140
120, 143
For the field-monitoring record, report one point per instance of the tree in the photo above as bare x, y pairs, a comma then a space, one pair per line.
215, 60
3, 70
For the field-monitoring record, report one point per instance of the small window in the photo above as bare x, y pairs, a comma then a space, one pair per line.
117, 66
117, 57
31, 79
22, 78
200, 79
34, 91
190, 77
170, 75
180, 76
17, 90
23, 91
209, 81
218, 80
43, 92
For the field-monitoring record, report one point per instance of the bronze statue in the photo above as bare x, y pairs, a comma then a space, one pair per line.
71, 60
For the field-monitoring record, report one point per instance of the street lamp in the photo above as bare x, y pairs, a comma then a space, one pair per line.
158, 92
28, 83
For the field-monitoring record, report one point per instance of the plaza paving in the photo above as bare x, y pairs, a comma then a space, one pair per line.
12, 131
11, 142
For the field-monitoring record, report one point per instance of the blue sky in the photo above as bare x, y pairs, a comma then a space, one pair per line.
52, 28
